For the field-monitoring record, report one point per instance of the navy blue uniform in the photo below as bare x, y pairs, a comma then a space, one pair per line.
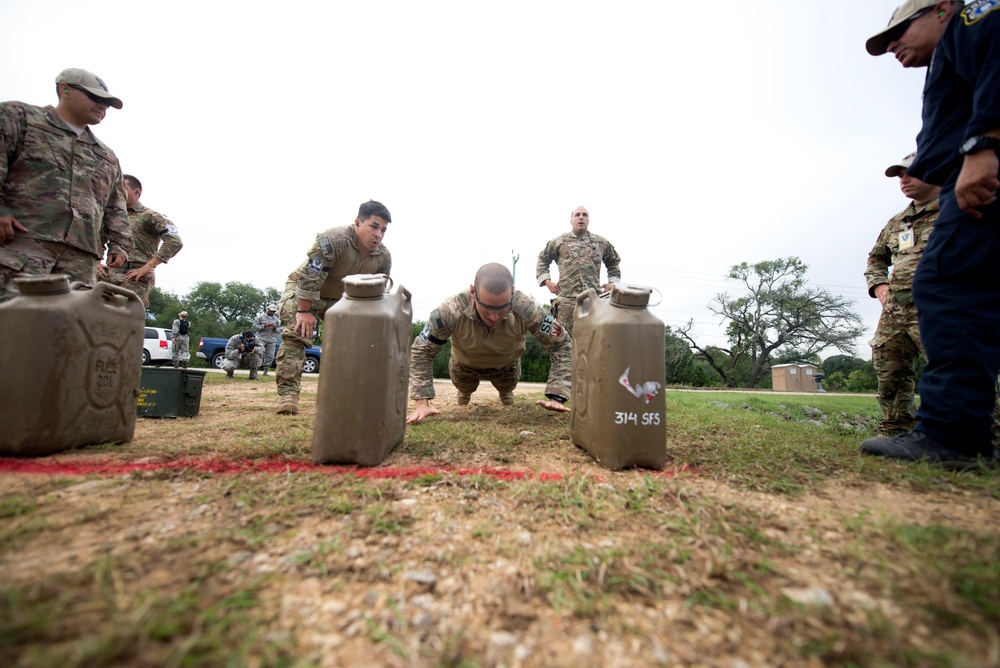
957, 284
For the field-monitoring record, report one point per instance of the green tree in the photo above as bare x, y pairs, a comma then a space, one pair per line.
163, 308
535, 361
779, 312
225, 310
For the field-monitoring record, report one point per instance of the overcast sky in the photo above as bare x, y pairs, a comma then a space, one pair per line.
699, 135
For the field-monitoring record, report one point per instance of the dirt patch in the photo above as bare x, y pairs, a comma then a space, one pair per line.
495, 541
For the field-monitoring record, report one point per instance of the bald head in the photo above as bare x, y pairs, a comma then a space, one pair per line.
579, 221
494, 278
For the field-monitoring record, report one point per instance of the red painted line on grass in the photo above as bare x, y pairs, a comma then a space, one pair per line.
227, 466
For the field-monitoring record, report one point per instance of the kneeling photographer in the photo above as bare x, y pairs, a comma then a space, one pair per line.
243, 351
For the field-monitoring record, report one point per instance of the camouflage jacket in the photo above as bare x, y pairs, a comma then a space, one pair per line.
476, 346
176, 328
154, 236
333, 256
60, 186
266, 334
234, 343
915, 220
579, 260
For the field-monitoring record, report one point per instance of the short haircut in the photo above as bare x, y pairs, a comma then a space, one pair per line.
132, 181
373, 208
494, 278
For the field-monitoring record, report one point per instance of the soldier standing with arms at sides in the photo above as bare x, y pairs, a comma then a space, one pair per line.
896, 345
266, 327
957, 284
318, 283
579, 255
62, 199
156, 241
180, 340
487, 326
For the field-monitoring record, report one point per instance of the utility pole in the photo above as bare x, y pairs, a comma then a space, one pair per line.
513, 269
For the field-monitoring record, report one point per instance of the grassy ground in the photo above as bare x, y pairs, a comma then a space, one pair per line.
492, 540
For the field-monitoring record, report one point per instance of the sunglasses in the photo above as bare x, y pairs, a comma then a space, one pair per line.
898, 31
497, 309
93, 98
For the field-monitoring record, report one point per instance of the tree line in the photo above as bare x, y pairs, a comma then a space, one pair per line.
779, 319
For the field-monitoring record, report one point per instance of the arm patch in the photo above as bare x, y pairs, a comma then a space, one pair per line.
325, 245
316, 265
547, 325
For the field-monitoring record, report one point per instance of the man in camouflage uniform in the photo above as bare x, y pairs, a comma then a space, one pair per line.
61, 195
487, 326
243, 351
156, 241
266, 327
897, 339
318, 283
579, 255
180, 341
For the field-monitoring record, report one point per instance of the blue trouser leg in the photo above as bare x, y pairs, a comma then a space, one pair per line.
957, 292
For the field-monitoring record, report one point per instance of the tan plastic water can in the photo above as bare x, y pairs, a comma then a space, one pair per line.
361, 401
72, 359
618, 376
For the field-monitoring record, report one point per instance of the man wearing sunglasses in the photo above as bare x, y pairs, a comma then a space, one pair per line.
62, 203
956, 287
487, 327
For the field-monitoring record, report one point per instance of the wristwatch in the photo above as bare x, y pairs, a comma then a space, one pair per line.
976, 144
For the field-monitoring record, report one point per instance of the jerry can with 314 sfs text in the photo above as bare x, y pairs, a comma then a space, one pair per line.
362, 397
72, 357
618, 377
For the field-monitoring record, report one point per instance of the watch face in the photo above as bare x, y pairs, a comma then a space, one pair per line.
969, 144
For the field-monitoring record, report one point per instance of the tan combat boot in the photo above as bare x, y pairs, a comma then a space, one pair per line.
253, 373
507, 398
464, 398
288, 404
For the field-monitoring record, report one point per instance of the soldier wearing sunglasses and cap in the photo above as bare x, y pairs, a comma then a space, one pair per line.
487, 327
62, 203
896, 345
956, 287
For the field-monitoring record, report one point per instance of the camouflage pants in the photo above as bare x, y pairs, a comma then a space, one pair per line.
268, 356
895, 349
467, 379
564, 307
140, 287
243, 361
292, 355
180, 352
29, 257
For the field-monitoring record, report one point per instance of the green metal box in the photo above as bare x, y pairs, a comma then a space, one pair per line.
170, 392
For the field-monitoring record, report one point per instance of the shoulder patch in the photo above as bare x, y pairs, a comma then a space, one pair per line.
325, 245
315, 265
436, 320
171, 228
978, 10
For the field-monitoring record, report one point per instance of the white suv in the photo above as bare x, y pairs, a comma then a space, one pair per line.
156, 346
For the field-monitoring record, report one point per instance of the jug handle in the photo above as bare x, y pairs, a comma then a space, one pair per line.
583, 302
120, 297
388, 282
642, 287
